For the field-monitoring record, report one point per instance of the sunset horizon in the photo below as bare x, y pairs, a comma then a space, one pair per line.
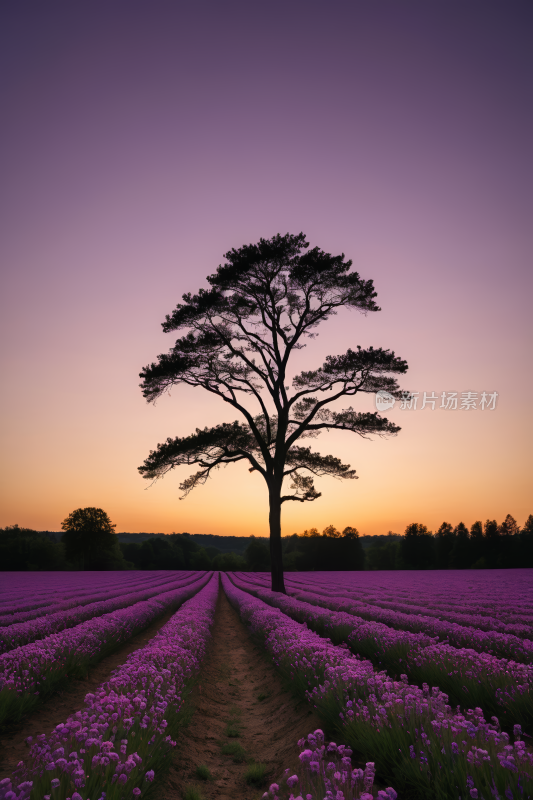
142, 146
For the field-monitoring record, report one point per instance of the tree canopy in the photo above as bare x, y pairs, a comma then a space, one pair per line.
239, 335
89, 535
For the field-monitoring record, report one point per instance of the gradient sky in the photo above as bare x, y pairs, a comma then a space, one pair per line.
142, 140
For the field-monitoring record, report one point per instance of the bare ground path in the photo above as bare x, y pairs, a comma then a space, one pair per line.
234, 675
63, 703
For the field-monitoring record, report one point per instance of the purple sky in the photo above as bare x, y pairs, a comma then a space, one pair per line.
141, 141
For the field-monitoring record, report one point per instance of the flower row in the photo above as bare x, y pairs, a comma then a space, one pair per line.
498, 592
469, 678
497, 644
424, 747
72, 599
22, 633
116, 745
37, 668
520, 625
326, 771
23, 590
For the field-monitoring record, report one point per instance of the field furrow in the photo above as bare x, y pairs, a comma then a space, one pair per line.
38, 668
500, 687
422, 745
22, 633
116, 743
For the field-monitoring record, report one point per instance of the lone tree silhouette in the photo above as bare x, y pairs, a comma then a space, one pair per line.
262, 305
88, 532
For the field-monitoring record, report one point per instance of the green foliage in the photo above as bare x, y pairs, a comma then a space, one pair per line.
175, 551
236, 750
326, 552
417, 547
257, 556
485, 546
24, 549
212, 551
229, 562
200, 560
203, 772
383, 555
256, 775
234, 724
232, 730
192, 793
90, 539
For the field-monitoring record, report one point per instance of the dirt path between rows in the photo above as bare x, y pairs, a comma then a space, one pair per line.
62, 704
234, 675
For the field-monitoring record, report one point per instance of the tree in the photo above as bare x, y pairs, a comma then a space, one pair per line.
383, 554
444, 541
240, 335
491, 530
509, 526
26, 549
417, 547
257, 556
460, 556
528, 526
350, 533
90, 536
331, 532
312, 532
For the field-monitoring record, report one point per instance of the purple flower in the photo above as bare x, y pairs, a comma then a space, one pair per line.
292, 781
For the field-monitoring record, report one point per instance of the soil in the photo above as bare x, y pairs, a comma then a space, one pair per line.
234, 675
62, 704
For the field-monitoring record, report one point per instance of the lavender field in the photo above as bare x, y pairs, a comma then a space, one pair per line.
421, 681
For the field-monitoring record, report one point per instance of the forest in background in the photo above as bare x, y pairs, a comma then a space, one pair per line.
483, 546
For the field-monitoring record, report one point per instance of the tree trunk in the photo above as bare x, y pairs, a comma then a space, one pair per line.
276, 557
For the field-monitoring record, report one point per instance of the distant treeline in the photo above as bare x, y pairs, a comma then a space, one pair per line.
486, 545
483, 546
